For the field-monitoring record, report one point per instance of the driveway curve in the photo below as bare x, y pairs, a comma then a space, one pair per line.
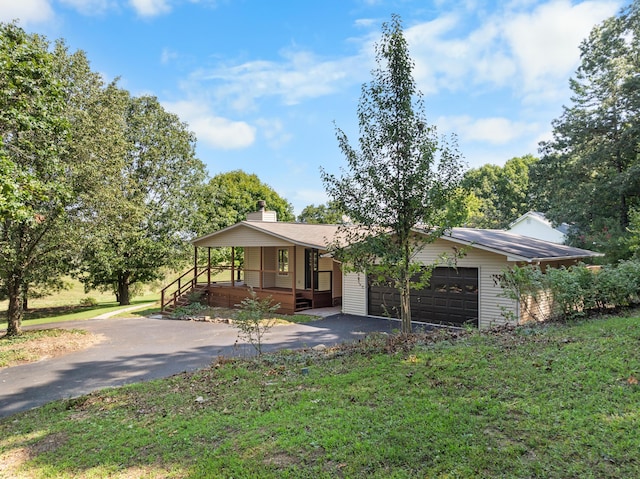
145, 348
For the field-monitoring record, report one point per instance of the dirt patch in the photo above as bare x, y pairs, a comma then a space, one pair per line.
39, 345
12, 460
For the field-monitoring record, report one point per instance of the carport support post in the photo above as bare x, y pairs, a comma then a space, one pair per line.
209, 266
233, 266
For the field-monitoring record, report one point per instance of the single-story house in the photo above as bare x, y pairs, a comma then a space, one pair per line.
536, 225
290, 262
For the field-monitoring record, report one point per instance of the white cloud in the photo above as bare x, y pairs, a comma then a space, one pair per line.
27, 11
301, 75
274, 132
532, 50
495, 130
215, 131
365, 22
150, 8
90, 7
167, 56
545, 42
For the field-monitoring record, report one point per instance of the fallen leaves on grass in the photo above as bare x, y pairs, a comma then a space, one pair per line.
36, 345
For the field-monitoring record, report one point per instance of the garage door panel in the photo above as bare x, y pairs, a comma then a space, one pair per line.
451, 298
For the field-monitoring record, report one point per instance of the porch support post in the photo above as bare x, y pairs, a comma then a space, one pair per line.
209, 266
261, 282
293, 276
233, 266
195, 265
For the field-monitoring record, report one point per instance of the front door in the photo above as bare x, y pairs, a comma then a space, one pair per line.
311, 269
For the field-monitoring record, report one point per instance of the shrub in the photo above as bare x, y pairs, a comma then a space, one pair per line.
88, 301
255, 319
567, 292
576, 290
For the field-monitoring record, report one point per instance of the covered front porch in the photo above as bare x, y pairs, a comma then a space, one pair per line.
287, 261
298, 278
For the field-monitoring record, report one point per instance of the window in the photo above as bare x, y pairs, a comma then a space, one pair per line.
283, 261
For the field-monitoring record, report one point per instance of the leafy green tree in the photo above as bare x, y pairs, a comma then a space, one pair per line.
503, 193
36, 182
321, 214
402, 178
227, 199
633, 239
142, 226
590, 170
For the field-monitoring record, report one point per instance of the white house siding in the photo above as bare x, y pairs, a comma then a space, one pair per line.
324, 279
268, 264
245, 236
491, 304
299, 267
252, 261
536, 228
354, 294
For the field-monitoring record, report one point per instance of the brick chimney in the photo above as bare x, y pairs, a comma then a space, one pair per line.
262, 214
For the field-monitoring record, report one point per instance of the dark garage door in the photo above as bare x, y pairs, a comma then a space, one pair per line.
451, 298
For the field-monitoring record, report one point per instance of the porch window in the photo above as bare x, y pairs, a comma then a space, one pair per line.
283, 261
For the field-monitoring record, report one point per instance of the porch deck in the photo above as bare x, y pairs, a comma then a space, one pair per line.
228, 295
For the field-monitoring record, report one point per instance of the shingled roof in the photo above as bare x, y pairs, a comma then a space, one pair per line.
517, 247
304, 234
514, 247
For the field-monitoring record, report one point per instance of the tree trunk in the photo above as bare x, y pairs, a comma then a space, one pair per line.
405, 304
123, 290
14, 310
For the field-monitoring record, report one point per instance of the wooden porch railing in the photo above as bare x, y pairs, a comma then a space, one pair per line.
185, 283
189, 280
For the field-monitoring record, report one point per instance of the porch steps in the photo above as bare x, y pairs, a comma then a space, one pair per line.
183, 300
302, 303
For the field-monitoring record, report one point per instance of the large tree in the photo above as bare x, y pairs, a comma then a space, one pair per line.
227, 198
401, 186
590, 170
36, 180
502, 193
142, 225
322, 214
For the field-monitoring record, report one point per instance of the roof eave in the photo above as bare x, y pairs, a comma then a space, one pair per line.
254, 226
566, 258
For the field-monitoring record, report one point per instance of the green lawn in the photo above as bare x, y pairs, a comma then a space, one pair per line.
557, 401
66, 305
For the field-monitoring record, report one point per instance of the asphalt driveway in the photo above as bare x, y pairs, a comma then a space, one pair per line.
141, 349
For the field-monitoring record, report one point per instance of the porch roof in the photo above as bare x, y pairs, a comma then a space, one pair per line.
270, 233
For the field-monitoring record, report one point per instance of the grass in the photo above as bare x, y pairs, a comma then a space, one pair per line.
66, 305
554, 401
45, 343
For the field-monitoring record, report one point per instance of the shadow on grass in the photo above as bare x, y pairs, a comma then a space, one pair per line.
64, 311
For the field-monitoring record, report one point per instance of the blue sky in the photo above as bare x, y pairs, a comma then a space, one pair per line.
261, 82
